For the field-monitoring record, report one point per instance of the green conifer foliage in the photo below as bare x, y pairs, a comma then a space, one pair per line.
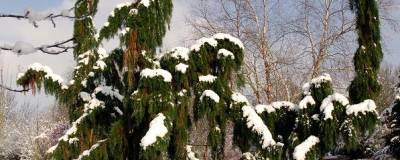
369, 55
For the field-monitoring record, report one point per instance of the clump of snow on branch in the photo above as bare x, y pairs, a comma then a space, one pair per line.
238, 98
210, 94
208, 78
222, 36
256, 124
190, 154
181, 67
35, 16
397, 91
85, 96
248, 156
124, 4
363, 107
85, 57
300, 151
225, 53
146, 3
306, 101
109, 91
316, 82
180, 52
100, 64
327, 106
276, 106
202, 41
213, 41
262, 108
23, 48
156, 130
87, 152
151, 73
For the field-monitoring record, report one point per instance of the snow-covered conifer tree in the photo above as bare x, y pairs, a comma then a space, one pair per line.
130, 104
369, 55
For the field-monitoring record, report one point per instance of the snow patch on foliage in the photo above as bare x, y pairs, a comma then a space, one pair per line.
85, 57
156, 129
180, 53
124, 4
306, 101
213, 41
202, 41
222, 36
146, 3
225, 53
210, 94
70, 131
275, 106
85, 96
151, 73
190, 154
363, 107
316, 82
256, 124
181, 67
327, 106
260, 108
109, 91
248, 156
238, 98
208, 78
87, 152
93, 104
300, 151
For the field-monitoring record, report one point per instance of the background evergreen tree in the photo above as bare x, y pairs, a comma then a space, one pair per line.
369, 55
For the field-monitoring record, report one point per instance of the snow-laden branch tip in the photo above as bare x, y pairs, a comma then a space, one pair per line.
14, 90
35, 16
24, 48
